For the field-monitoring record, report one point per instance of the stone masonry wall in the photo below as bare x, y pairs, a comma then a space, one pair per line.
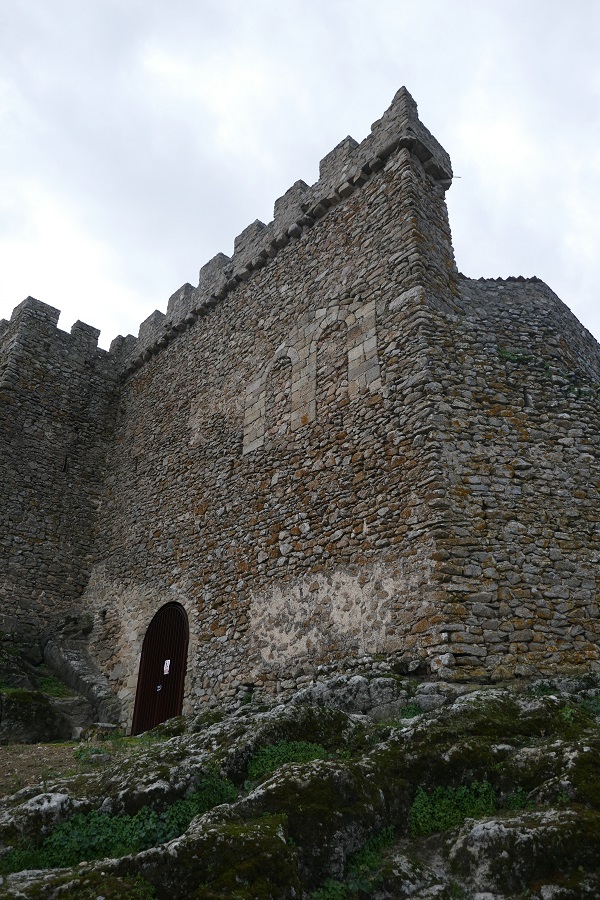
284, 488
56, 393
520, 382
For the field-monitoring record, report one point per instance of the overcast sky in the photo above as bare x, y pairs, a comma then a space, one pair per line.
139, 137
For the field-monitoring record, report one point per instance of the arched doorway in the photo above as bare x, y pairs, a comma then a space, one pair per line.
159, 694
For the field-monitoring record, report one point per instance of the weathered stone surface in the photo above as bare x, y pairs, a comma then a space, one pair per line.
294, 828
27, 717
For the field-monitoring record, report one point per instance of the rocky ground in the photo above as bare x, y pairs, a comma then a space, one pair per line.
381, 787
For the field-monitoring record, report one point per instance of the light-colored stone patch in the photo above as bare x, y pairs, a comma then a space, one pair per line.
323, 613
123, 616
226, 403
363, 370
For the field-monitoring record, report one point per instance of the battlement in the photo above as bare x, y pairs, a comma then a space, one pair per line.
342, 171
32, 331
525, 314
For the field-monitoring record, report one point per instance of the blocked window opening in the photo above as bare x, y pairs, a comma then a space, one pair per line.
332, 374
278, 399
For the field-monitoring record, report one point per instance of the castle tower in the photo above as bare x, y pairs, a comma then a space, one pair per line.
337, 449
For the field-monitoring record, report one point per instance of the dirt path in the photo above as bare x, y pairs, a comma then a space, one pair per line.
25, 764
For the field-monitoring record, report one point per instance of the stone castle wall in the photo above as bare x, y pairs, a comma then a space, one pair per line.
271, 492
57, 393
337, 448
519, 386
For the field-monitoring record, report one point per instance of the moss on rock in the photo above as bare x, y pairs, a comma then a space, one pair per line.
300, 826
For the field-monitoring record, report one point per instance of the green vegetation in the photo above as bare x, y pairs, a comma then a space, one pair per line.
89, 753
495, 753
52, 686
96, 835
8, 689
331, 890
268, 759
512, 356
40, 677
543, 689
364, 870
591, 705
447, 807
568, 714
516, 800
410, 711
100, 884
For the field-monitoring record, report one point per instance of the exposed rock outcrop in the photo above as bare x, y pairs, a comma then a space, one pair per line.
493, 794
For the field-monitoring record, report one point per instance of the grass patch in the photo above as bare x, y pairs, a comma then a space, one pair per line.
543, 689
268, 759
95, 835
511, 356
53, 687
517, 800
445, 808
42, 681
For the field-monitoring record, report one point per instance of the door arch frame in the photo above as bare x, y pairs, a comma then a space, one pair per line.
148, 710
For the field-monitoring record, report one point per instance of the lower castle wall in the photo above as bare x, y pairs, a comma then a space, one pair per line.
521, 382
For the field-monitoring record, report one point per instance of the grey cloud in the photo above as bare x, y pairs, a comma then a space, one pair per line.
148, 178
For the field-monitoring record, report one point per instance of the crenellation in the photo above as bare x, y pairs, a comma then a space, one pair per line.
151, 329
85, 337
32, 336
346, 168
30, 308
214, 276
400, 125
180, 303
248, 247
335, 166
122, 348
290, 206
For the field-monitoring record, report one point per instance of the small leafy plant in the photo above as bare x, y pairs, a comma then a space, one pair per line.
270, 758
567, 713
96, 835
543, 689
52, 686
517, 799
591, 705
410, 711
447, 807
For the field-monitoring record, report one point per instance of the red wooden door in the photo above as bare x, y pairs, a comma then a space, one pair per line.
159, 694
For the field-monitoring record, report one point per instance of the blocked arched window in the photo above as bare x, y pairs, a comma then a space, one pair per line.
161, 678
332, 373
278, 401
